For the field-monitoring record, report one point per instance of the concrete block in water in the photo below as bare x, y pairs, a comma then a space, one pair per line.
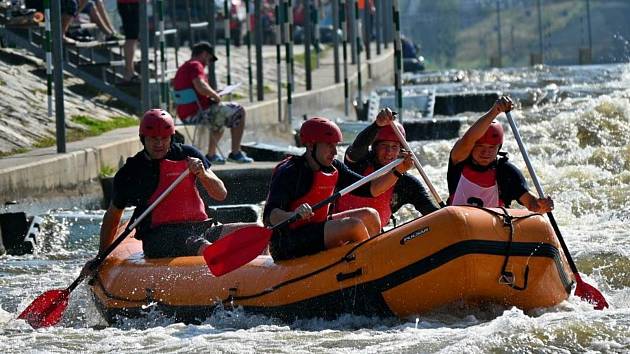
234, 213
269, 152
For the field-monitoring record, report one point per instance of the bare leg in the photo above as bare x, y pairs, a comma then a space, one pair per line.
340, 231
66, 20
368, 216
215, 136
237, 136
130, 52
96, 18
102, 11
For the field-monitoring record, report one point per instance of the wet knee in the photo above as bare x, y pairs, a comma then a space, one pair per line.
358, 230
372, 220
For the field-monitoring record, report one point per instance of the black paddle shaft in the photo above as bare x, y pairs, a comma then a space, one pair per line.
539, 188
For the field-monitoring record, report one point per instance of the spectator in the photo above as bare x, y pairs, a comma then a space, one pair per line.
129, 11
98, 15
69, 10
214, 113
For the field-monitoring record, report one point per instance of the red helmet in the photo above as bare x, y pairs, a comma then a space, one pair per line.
320, 130
157, 122
493, 136
387, 133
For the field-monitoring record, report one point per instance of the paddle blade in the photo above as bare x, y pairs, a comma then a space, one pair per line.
589, 293
236, 249
47, 309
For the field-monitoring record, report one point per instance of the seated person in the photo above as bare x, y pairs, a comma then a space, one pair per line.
477, 176
179, 225
374, 147
214, 113
299, 182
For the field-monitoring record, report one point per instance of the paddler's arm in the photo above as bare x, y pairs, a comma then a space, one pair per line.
210, 181
382, 184
463, 146
111, 220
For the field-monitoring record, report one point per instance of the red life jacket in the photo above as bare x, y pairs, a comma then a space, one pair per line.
381, 203
478, 188
183, 204
323, 186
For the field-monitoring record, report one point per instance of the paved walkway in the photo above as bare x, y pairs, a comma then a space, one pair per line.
42, 172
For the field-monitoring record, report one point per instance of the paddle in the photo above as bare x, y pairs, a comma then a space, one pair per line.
243, 245
48, 308
583, 290
418, 165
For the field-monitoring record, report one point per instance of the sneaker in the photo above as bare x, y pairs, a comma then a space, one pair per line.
216, 159
239, 157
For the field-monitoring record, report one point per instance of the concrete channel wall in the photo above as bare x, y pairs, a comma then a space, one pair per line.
43, 173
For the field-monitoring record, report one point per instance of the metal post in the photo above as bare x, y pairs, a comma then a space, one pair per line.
287, 32
397, 60
307, 44
226, 24
212, 33
500, 54
260, 87
379, 25
48, 48
248, 26
164, 86
316, 34
290, 34
335, 13
57, 56
145, 90
278, 33
174, 24
357, 23
540, 32
191, 34
367, 29
352, 29
588, 22
344, 42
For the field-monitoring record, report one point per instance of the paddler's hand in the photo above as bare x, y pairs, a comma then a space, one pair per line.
89, 269
304, 211
503, 104
407, 163
196, 167
384, 117
541, 205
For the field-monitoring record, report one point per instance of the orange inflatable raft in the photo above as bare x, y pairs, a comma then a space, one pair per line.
457, 255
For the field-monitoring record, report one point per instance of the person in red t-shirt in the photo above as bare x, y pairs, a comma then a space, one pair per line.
214, 112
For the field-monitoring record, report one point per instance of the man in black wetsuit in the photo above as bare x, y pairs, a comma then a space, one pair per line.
179, 225
299, 182
374, 147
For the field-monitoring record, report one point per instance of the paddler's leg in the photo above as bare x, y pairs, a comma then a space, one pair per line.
369, 217
343, 228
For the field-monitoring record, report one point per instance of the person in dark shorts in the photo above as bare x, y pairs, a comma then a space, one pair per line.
478, 174
374, 147
129, 11
299, 182
214, 113
179, 225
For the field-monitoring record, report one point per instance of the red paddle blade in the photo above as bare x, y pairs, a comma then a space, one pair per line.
236, 249
47, 309
589, 293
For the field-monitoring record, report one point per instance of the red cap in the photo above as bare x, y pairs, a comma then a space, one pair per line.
387, 133
493, 136
157, 122
320, 130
